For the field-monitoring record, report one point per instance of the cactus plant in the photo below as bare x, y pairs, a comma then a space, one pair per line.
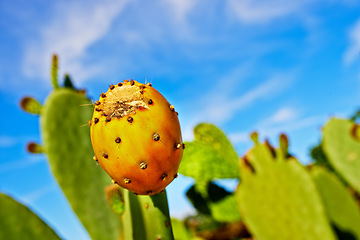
208, 158
341, 144
67, 144
214, 154
218, 203
340, 205
278, 198
19, 222
136, 137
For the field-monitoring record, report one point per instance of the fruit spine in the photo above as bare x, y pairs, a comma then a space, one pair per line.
136, 137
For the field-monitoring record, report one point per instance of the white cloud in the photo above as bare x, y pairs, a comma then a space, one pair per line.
218, 105
276, 130
280, 116
181, 8
7, 141
239, 137
352, 53
31, 197
221, 107
15, 165
262, 11
73, 29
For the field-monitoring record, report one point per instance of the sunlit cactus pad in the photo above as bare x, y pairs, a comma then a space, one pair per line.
209, 156
340, 205
68, 147
278, 199
341, 144
19, 222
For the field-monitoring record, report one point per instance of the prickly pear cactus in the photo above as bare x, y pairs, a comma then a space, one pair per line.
341, 144
19, 222
278, 199
218, 203
66, 142
136, 137
211, 155
340, 205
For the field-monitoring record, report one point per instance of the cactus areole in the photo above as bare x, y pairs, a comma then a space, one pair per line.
136, 137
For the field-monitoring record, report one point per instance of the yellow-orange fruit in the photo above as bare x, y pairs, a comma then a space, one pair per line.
136, 137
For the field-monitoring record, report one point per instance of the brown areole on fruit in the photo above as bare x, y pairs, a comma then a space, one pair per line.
136, 137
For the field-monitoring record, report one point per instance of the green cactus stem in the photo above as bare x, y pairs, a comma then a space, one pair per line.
146, 217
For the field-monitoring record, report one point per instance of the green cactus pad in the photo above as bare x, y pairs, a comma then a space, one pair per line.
19, 222
341, 207
67, 143
180, 230
218, 203
319, 157
146, 217
209, 156
341, 144
278, 199
226, 209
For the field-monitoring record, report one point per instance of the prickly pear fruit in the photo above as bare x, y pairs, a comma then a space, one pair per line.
136, 137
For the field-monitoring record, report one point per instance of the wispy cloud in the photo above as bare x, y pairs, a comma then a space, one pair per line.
31, 197
15, 165
276, 130
282, 115
219, 104
262, 11
352, 53
7, 141
222, 107
74, 28
181, 8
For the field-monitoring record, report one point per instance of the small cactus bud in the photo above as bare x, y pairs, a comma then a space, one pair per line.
35, 148
30, 105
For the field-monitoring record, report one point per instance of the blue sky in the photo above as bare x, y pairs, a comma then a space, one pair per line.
271, 66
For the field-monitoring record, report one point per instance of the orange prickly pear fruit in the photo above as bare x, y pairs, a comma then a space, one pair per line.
136, 137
